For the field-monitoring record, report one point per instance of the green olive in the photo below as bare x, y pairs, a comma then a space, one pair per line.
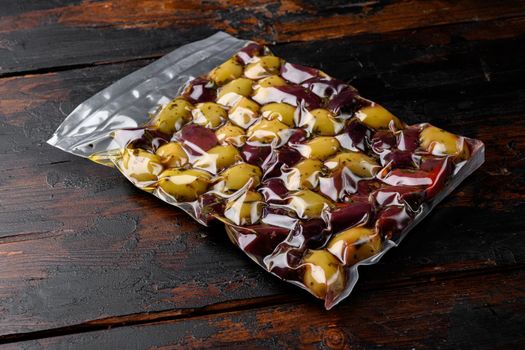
141, 165
244, 112
229, 133
218, 158
377, 117
271, 81
323, 272
237, 176
172, 155
280, 111
209, 114
308, 204
304, 174
184, 185
173, 116
324, 123
266, 131
230, 93
358, 163
320, 147
226, 72
263, 67
245, 210
440, 142
355, 244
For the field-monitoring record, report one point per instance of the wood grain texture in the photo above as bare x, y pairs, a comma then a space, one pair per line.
485, 312
81, 246
65, 33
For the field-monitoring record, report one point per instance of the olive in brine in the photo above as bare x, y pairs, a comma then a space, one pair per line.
266, 131
218, 158
440, 142
209, 114
172, 155
308, 204
141, 165
263, 67
272, 80
173, 116
358, 163
322, 273
377, 117
280, 111
232, 134
323, 122
237, 176
245, 210
304, 174
227, 71
230, 93
244, 112
320, 147
184, 185
355, 244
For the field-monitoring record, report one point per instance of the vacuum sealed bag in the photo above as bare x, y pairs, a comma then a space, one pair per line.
310, 179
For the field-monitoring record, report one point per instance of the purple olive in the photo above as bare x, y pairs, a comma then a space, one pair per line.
311, 233
349, 215
297, 136
382, 140
286, 156
259, 240
399, 195
365, 187
200, 90
246, 54
391, 221
211, 206
297, 73
408, 139
198, 138
147, 139
355, 136
274, 189
346, 102
326, 87
294, 95
400, 159
439, 170
255, 155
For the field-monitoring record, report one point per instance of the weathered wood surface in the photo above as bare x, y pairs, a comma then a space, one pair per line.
82, 250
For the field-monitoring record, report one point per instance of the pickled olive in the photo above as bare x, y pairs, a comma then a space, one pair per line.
308, 204
320, 147
244, 112
245, 210
324, 123
141, 165
238, 175
358, 163
323, 272
280, 111
266, 131
209, 114
172, 155
304, 174
440, 142
377, 117
184, 185
227, 71
229, 133
263, 67
173, 116
218, 158
230, 93
354, 245
272, 80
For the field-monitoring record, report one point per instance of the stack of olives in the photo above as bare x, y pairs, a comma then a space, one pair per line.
308, 176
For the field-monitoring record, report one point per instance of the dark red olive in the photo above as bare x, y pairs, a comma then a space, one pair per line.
200, 90
349, 215
346, 102
286, 156
146, 139
401, 159
382, 140
408, 139
356, 136
309, 234
297, 136
255, 155
259, 240
245, 55
274, 189
325, 87
439, 170
296, 96
399, 195
198, 139
297, 73
406, 177
391, 221
211, 206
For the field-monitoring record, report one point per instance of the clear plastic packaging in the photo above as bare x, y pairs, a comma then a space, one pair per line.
310, 179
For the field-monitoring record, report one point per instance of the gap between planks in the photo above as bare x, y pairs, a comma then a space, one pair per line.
231, 306
55, 69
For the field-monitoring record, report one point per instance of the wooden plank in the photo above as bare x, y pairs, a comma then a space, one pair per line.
482, 312
80, 244
63, 33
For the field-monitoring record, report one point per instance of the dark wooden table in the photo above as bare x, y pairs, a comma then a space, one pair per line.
88, 261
